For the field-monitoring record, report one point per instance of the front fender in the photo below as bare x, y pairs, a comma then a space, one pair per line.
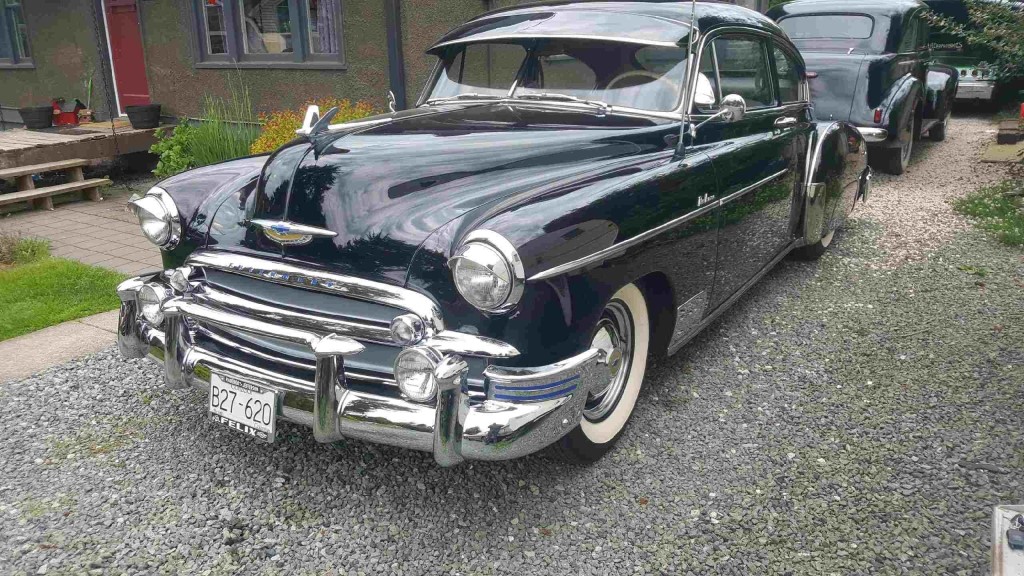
199, 193
836, 176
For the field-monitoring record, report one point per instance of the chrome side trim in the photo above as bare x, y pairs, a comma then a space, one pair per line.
874, 134
219, 299
617, 249
310, 279
752, 187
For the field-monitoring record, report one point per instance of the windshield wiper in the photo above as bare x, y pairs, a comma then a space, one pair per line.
563, 98
465, 96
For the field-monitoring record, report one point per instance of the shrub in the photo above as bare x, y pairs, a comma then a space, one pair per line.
279, 127
995, 26
174, 150
997, 209
17, 250
226, 131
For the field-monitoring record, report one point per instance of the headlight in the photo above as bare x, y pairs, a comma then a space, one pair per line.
414, 372
488, 272
151, 296
158, 217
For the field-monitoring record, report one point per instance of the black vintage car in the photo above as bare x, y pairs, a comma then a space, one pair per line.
870, 64
486, 274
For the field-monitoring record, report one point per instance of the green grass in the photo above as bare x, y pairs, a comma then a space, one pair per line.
998, 210
39, 291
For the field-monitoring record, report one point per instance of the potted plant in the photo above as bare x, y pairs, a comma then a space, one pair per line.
144, 116
36, 117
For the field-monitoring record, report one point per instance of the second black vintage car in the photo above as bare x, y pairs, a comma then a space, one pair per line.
870, 64
486, 274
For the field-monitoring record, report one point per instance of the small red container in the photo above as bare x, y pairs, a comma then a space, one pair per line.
63, 117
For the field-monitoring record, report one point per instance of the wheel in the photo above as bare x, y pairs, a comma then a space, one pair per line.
895, 160
938, 132
814, 251
624, 333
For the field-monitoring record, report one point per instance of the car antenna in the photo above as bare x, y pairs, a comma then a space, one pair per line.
684, 129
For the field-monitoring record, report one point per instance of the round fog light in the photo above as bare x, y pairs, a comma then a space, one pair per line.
151, 296
407, 329
414, 371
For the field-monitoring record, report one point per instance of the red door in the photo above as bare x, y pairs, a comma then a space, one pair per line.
126, 52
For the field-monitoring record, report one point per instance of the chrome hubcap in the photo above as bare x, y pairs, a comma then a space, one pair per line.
614, 336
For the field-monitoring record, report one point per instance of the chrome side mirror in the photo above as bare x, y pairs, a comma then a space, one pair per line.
392, 103
734, 108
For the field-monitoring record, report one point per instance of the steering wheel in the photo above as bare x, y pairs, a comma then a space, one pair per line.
641, 74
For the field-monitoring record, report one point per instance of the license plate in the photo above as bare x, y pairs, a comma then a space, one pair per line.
243, 406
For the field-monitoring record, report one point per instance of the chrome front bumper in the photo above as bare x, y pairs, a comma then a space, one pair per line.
524, 410
975, 91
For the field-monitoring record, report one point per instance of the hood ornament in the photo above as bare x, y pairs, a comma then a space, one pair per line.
291, 234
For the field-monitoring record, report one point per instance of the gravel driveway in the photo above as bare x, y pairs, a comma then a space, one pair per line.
859, 415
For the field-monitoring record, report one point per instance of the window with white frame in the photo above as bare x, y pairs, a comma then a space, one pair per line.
14, 45
269, 33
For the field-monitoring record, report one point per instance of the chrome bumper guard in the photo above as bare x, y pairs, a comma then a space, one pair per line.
530, 409
874, 134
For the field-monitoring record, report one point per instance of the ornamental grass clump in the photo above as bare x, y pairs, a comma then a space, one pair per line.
279, 127
998, 210
15, 249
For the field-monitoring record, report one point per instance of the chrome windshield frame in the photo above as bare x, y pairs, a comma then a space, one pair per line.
674, 114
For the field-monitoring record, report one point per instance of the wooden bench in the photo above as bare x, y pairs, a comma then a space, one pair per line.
43, 197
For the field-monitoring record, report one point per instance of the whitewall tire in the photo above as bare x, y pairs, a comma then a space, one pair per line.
624, 332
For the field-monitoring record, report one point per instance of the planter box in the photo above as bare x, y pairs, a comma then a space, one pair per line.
1009, 132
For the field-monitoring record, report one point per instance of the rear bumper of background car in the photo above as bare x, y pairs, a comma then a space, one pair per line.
975, 91
524, 409
874, 135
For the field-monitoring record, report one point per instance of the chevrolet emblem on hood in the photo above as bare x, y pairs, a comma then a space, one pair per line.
290, 234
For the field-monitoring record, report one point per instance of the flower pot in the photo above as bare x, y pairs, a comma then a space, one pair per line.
37, 116
146, 116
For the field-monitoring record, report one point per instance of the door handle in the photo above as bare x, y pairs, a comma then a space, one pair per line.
785, 122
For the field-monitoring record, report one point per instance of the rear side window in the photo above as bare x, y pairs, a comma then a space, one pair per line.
789, 76
829, 26
743, 69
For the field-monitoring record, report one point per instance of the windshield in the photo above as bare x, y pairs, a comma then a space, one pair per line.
592, 71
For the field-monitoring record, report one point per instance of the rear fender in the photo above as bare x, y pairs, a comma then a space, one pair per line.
837, 175
901, 100
940, 91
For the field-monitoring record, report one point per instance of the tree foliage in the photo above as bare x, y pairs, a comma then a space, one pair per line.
997, 25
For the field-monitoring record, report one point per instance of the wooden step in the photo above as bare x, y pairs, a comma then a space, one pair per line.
92, 186
11, 173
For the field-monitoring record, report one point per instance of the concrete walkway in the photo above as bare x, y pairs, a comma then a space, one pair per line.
99, 233
26, 355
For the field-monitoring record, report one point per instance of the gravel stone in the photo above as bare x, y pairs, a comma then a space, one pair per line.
849, 416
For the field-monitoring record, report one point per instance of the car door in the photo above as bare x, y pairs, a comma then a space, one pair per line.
758, 159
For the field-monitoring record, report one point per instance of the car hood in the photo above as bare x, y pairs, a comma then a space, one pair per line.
833, 90
381, 187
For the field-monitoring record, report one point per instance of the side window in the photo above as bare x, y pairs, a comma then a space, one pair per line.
789, 76
708, 96
743, 69
911, 35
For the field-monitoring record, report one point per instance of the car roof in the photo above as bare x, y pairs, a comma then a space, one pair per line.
651, 22
873, 7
